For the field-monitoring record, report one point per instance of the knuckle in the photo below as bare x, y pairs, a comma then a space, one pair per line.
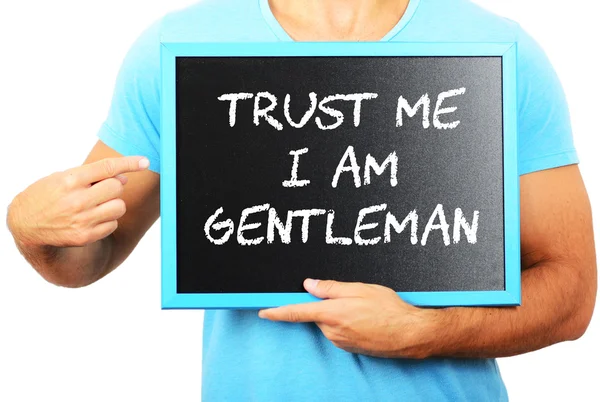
294, 316
120, 207
332, 335
115, 187
109, 167
327, 285
76, 222
319, 316
112, 226
335, 321
119, 188
68, 180
81, 238
76, 204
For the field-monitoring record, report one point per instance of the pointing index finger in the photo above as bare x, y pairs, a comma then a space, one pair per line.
304, 312
111, 167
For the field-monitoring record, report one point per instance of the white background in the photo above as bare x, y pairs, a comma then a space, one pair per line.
110, 341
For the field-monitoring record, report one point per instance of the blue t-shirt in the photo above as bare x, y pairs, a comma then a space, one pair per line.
248, 358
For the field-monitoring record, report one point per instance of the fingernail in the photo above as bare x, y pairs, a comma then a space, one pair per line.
122, 178
144, 163
261, 314
311, 283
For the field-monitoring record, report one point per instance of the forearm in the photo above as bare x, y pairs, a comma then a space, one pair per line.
65, 266
556, 306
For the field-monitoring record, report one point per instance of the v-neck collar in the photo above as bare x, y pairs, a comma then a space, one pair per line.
282, 35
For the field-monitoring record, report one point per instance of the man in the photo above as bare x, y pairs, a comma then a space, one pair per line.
363, 342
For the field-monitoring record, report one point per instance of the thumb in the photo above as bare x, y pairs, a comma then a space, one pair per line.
329, 289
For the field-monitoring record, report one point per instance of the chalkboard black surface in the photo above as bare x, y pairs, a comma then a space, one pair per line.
362, 162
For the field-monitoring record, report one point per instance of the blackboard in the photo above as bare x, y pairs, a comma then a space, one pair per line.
378, 168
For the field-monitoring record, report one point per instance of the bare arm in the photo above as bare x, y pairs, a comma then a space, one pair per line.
559, 279
73, 241
559, 283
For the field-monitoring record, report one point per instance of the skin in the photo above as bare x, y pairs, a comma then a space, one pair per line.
74, 227
558, 291
64, 228
338, 20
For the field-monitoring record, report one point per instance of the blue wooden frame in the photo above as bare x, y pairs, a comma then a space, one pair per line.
170, 51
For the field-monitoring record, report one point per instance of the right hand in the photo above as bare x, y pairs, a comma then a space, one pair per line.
75, 207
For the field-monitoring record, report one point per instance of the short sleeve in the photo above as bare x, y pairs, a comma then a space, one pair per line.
544, 128
132, 126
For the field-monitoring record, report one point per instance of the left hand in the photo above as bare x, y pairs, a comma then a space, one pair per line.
364, 318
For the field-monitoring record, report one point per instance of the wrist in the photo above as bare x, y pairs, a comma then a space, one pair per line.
432, 332
29, 247
421, 336
454, 330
